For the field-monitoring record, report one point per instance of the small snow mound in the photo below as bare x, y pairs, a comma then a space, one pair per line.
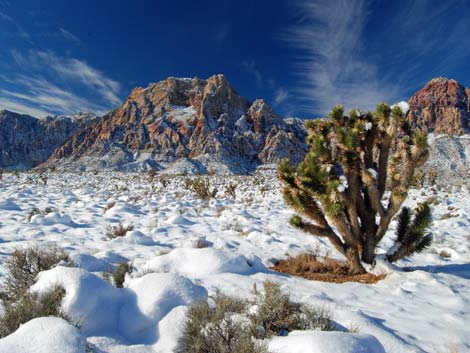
91, 263
404, 106
156, 295
325, 342
89, 300
51, 219
111, 257
133, 312
135, 237
179, 220
44, 335
9, 205
198, 263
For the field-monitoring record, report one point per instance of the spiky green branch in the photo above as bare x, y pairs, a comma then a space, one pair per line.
340, 186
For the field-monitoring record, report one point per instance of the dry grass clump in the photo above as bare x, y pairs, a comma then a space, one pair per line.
117, 275
120, 230
34, 211
218, 327
202, 244
230, 190
30, 306
18, 304
151, 173
277, 314
313, 267
24, 265
109, 205
227, 324
201, 187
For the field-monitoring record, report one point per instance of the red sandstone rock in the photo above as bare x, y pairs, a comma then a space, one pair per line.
442, 107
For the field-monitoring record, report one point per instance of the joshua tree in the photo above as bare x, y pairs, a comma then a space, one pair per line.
339, 189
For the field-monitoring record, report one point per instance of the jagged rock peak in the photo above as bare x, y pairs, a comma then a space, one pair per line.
187, 118
26, 141
442, 107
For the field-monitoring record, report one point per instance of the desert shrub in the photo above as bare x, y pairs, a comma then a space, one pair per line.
23, 266
445, 254
202, 243
422, 178
109, 205
120, 230
30, 306
419, 179
118, 275
151, 173
227, 324
218, 328
18, 304
164, 180
201, 187
34, 211
43, 177
230, 190
277, 314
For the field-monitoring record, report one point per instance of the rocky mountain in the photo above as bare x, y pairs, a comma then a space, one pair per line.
442, 107
193, 122
449, 159
26, 141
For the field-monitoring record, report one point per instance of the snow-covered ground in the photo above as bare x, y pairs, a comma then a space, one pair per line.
423, 309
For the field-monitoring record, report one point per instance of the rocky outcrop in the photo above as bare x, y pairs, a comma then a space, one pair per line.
185, 118
442, 107
449, 160
26, 141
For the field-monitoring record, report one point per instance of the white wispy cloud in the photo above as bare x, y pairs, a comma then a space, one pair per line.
5, 17
280, 96
69, 36
250, 66
332, 67
420, 40
79, 71
19, 107
45, 83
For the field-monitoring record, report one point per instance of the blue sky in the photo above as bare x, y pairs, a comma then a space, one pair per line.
303, 57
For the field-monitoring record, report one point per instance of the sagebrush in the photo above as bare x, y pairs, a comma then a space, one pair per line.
228, 324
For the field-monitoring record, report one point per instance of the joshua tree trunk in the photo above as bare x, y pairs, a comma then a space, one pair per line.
339, 188
354, 262
368, 252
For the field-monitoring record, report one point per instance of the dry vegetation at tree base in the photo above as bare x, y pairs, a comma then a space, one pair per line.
312, 267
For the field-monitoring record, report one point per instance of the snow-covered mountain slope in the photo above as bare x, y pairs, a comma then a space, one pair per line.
449, 159
26, 141
184, 118
423, 309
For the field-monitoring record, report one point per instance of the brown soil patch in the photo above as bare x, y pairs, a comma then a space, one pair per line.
323, 269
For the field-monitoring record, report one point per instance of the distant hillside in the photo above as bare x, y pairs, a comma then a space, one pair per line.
26, 141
